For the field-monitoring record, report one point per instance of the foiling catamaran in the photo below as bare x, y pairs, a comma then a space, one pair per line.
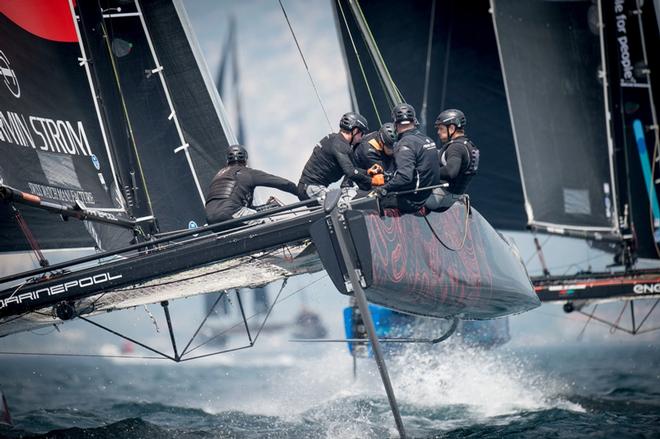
559, 99
104, 102
109, 117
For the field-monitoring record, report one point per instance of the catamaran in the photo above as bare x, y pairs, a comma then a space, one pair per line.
559, 98
102, 108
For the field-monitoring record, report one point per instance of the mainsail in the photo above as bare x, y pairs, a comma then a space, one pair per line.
552, 64
109, 107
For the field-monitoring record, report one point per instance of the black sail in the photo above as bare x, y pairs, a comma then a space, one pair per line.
173, 115
51, 139
199, 108
551, 59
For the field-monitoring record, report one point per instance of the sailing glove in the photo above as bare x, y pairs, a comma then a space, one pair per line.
375, 170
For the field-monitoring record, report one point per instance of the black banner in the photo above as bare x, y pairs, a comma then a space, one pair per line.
50, 138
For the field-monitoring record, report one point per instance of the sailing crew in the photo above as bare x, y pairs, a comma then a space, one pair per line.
332, 158
232, 189
415, 159
458, 156
375, 152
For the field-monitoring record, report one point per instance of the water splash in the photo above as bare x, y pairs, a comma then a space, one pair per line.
487, 383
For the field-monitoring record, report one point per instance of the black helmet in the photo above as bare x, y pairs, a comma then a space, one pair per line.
236, 153
404, 113
451, 117
352, 120
387, 134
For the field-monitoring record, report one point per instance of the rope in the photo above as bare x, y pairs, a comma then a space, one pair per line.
359, 60
306, 66
275, 303
467, 217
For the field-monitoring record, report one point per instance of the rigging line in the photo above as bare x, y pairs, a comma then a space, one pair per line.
279, 293
577, 264
306, 66
55, 354
357, 56
257, 314
445, 73
201, 325
465, 233
378, 55
275, 303
613, 326
537, 251
618, 319
591, 316
34, 244
427, 73
647, 315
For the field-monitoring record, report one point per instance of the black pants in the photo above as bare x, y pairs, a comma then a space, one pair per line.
220, 210
441, 200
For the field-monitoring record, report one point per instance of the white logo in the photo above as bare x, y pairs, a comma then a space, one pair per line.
647, 289
58, 289
192, 225
8, 76
96, 163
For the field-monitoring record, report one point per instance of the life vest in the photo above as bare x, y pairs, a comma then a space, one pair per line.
375, 144
224, 183
460, 184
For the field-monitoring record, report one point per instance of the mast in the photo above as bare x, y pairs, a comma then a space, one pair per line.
113, 105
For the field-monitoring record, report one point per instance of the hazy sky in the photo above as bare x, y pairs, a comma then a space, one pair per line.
281, 112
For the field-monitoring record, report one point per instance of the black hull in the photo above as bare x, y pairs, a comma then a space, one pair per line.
420, 265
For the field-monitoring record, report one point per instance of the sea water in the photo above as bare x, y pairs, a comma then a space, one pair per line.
310, 391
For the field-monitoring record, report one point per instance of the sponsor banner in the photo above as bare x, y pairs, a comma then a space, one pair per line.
628, 43
50, 138
32, 298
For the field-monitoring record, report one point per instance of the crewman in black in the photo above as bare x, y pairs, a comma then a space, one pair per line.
332, 158
416, 161
459, 158
232, 189
375, 153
